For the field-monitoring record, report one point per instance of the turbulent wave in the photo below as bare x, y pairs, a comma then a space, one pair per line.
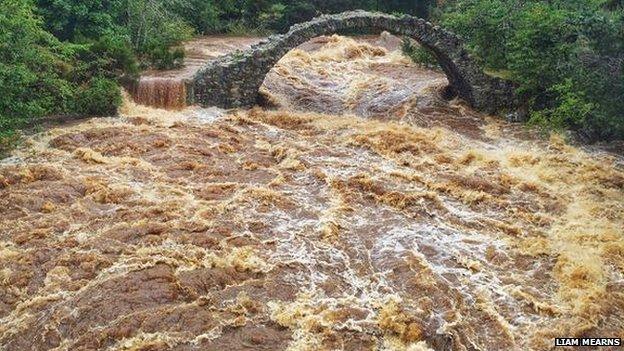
364, 213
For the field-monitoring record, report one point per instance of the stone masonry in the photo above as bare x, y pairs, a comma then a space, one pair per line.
234, 80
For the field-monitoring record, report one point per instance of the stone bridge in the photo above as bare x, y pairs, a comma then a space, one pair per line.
234, 80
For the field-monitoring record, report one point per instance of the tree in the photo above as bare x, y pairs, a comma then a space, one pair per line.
567, 57
74, 20
154, 28
32, 62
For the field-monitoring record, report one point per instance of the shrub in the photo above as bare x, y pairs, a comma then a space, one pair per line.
544, 46
76, 20
32, 67
153, 29
419, 54
296, 13
165, 58
486, 26
99, 97
203, 15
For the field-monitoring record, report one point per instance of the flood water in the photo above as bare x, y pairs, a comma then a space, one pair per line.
362, 212
166, 89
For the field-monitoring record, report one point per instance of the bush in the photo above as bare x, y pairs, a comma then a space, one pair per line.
41, 76
486, 24
202, 15
165, 58
76, 20
99, 97
544, 46
32, 67
419, 54
109, 57
572, 108
153, 29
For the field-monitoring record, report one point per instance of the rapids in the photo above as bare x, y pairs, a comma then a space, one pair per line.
363, 211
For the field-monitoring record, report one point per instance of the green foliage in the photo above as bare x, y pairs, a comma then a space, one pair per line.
421, 8
571, 109
32, 65
99, 97
419, 54
295, 13
154, 27
41, 76
260, 16
163, 57
109, 56
271, 16
202, 15
485, 23
74, 20
539, 49
121, 30
565, 55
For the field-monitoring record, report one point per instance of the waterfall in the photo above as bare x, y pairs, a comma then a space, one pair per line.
162, 92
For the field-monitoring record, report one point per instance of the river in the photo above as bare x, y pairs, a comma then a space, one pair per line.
361, 211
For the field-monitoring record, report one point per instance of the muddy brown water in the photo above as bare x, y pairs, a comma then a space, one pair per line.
363, 212
166, 89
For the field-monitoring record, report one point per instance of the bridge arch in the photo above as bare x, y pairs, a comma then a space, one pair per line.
234, 80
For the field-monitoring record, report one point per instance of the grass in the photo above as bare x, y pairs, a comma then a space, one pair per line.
502, 74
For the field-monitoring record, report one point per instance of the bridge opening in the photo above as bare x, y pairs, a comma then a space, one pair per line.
448, 93
365, 75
